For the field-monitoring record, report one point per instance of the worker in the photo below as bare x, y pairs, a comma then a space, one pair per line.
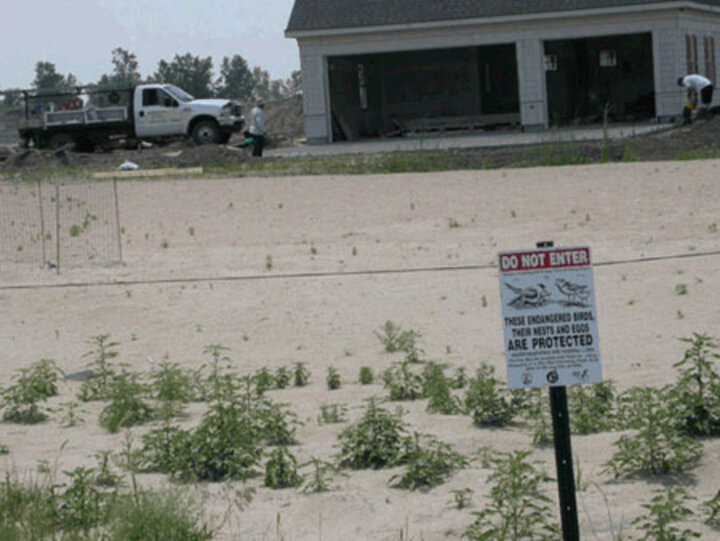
257, 128
696, 85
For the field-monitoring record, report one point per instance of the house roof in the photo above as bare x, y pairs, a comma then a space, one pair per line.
316, 15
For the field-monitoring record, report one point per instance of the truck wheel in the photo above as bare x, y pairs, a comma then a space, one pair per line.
206, 132
60, 140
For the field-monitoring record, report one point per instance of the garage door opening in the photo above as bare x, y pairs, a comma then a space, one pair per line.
444, 89
586, 77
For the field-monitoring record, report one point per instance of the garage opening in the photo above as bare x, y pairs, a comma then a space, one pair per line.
586, 77
444, 89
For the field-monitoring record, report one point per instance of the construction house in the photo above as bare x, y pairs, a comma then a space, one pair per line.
373, 68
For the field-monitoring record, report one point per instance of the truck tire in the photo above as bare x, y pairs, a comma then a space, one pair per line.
205, 132
60, 140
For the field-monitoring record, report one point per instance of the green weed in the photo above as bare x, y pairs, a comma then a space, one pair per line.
667, 507
333, 379
427, 462
375, 441
402, 382
517, 509
301, 375
659, 445
319, 480
127, 405
487, 400
697, 393
281, 470
332, 414
31, 386
367, 377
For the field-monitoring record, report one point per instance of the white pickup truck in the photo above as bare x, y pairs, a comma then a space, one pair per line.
88, 118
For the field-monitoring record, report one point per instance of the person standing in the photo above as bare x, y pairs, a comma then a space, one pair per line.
257, 128
696, 85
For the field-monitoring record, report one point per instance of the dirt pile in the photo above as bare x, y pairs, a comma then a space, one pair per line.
284, 119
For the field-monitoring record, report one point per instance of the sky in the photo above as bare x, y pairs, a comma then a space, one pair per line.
78, 36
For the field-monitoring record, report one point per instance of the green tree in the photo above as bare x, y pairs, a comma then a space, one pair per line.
125, 70
191, 73
12, 97
48, 78
236, 80
294, 84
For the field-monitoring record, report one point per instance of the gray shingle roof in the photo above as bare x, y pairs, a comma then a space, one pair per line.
331, 14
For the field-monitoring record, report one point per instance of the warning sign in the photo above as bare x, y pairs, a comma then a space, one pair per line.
548, 298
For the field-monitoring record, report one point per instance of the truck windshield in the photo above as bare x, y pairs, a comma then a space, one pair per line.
179, 93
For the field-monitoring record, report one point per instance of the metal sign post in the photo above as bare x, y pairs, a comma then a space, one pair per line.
551, 340
563, 456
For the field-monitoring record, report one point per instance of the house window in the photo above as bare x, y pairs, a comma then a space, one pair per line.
551, 63
710, 58
691, 56
608, 59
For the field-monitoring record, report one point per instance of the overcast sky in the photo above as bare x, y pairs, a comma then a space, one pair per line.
78, 36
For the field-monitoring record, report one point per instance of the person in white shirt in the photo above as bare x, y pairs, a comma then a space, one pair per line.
257, 128
696, 85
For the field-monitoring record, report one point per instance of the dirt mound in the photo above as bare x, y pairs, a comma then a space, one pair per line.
284, 121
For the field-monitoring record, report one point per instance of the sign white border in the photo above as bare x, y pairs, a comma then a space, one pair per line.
549, 317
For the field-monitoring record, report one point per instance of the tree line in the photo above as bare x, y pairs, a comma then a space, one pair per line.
194, 74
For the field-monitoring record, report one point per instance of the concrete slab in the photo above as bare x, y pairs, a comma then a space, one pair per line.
473, 140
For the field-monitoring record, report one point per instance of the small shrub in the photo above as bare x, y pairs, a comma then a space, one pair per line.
301, 375
283, 377
263, 380
712, 509
321, 476
460, 379
487, 400
402, 382
170, 383
33, 385
275, 423
375, 441
659, 445
517, 508
281, 470
667, 507
227, 443
366, 375
102, 353
437, 389
104, 476
4, 449
697, 393
71, 414
394, 339
332, 413
591, 408
127, 406
333, 379
428, 462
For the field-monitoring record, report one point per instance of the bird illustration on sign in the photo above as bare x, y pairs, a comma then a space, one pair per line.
576, 294
529, 297
539, 295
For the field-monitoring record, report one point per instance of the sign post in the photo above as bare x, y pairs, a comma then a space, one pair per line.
551, 340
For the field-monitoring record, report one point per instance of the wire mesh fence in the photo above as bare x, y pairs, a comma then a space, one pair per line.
59, 223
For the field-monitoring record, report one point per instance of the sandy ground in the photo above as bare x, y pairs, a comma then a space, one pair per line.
195, 273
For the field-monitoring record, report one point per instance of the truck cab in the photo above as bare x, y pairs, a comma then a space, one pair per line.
162, 110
